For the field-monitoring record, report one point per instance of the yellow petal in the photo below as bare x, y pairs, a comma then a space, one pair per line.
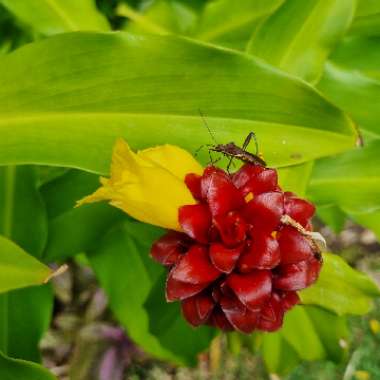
362, 375
174, 159
374, 325
148, 185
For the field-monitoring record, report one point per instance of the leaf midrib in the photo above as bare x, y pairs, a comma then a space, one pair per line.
9, 118
288, 51
236, 23
61, 13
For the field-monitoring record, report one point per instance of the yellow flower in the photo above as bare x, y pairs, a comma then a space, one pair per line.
374, 326
362, 375
148, 185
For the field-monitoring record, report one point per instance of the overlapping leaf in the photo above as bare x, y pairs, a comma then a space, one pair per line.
123, 253
341, 288
74, 230
57, 16
352, 80
309, 333
23, 219
367, 18
161, 17
350, 180
231, 23
11, 369
299, 36
18, 269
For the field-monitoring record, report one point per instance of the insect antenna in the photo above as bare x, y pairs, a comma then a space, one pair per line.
207, 126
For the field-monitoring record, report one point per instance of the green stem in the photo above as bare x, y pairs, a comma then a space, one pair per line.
9, 185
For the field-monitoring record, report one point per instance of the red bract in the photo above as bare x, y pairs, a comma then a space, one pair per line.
243, 253
169, 248
195, 221
294, 247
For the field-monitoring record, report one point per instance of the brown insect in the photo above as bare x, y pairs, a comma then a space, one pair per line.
232, 151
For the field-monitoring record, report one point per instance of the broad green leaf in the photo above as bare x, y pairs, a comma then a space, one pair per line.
221, 18
359, 54
168, 325
341, 288
367, 18
24, 317
333, 216
18, 269
123, 253
23, 219
299, 36
88, 89
11, 369
352, 80
308, 333
57, 16
279, 356
332, 331
350, 180
22, 212
74, 230
295, 178
299, 332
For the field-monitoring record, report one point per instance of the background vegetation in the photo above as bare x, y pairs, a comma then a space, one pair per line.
303, 74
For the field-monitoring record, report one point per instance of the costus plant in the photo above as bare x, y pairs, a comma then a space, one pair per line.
240, 253
185, 247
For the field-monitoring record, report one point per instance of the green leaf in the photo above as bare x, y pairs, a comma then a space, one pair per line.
160, 17
11, 369
24, 317
308, 333
22, 212
296, 178
333, 216
332, 331
352, 80
279, 356
221, 18
11, 34
299, 332
123, 253
88, 89
57, 16
350, 180
74, 230
369, 220
301, 46
367, 18
168, 325
19, 269
341, 288
23, 218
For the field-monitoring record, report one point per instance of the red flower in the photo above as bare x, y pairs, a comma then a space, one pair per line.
244, 252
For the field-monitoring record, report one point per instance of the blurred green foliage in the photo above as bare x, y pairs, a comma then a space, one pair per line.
303, 74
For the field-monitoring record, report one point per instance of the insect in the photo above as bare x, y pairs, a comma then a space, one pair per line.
232, 151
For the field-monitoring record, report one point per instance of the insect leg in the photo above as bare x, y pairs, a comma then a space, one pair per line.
212, 161
248, 139
200, 148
